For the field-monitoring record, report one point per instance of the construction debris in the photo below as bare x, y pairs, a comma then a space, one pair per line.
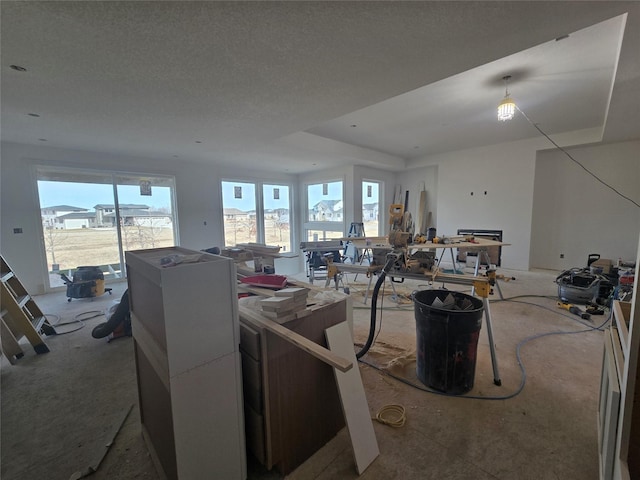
286, 304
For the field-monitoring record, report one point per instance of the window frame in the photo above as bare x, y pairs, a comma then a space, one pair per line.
325, 226
68, 174
380, 185
259, 207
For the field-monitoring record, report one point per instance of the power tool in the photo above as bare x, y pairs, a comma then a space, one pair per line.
575, 310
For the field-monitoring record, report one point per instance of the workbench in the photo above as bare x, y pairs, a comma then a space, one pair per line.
481, 245
316, 250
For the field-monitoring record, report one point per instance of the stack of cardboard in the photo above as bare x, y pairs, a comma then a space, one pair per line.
287, 304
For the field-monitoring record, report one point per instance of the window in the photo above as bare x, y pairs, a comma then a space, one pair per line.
325, 211
239, 210
277, 216
145, 212
251, 218
370, 207
80, 226
325, 202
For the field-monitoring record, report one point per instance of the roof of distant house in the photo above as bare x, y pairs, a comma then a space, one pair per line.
122, 206
136, 212
234, 211
330, 204
76, 215
65, 208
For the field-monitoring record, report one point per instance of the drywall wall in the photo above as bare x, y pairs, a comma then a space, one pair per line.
491, 188
415, 180
197, 193
575, 215
487, 188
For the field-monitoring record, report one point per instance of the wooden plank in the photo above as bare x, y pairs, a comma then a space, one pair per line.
305, 344
621, 315
294, 292
354, 401
10, 346
276, 304
19, 323
422, 212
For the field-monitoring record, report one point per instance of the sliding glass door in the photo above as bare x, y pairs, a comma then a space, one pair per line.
91, 218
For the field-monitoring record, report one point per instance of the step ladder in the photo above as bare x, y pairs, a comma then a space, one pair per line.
356, 230
20, 317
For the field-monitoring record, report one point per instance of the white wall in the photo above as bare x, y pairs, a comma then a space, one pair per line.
506, 173
575, 215
197, 191
540, 201
415, 180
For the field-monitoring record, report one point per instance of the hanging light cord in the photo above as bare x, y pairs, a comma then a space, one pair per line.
535, 125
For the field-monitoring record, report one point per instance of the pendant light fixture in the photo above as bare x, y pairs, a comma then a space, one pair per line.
507, 107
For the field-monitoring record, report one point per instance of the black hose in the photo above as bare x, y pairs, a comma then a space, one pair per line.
374, 304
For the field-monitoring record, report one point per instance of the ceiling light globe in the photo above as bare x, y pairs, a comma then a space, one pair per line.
506, 109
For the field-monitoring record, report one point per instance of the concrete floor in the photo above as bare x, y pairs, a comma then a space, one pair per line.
59, 409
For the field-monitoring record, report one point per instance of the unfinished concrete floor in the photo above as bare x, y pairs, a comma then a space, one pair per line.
60, 409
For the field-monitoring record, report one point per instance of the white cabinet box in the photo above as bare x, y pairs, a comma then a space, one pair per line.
619, 406
186, 339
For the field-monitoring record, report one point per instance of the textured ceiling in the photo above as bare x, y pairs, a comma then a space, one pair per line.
276, 85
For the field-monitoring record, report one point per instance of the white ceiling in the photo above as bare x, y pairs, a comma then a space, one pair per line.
277, 85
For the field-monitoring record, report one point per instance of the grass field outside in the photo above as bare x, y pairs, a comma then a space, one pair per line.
69, 249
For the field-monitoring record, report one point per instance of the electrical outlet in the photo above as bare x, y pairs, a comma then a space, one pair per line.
562, 255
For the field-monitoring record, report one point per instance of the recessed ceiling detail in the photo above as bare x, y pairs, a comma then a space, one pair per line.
122, 81
564, 86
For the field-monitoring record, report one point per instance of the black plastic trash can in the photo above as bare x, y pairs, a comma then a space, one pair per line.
447, 341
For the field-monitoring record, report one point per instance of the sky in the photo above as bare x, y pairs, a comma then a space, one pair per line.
85, 195
316, 193
88, 195
247, 193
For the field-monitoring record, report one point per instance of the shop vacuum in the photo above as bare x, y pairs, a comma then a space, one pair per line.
88, 282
